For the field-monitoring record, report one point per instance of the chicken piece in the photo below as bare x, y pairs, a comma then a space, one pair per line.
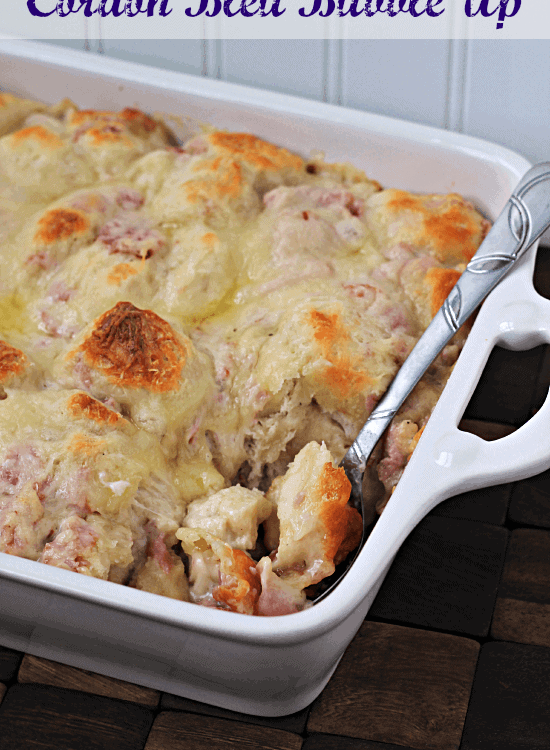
233, 515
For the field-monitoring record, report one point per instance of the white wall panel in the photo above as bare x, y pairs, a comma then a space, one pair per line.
507, 97
402, 78
289, 65
185, 56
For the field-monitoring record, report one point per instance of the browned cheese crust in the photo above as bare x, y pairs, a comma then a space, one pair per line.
135, 348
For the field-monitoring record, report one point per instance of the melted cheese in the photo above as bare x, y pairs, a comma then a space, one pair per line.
184, 329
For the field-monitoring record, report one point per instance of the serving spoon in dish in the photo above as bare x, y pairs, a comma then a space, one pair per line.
524, 218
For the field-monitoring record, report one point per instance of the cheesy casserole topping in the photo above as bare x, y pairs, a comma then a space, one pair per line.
190, 339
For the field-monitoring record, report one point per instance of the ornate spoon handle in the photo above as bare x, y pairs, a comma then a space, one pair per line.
524, 218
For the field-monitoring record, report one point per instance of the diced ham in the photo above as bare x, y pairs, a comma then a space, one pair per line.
18, 524
73, 490
197, 145
82, 373
21, 465
129, 199
52, 326
416, 267
401, 251
42, 260
72, 546
157, 548
131, 234
161, 554
277, 597
397, 449
370, 402
308, 196
60, 292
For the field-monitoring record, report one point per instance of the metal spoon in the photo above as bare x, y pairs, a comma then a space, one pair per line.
524, 218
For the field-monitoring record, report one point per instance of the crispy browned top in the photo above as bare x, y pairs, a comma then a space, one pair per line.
450, 224
37, 133
441, 281
137, 118
344, 374
12, 361
82, 405
136, 349
134, 119
342, 523
240, 583
85, 445
259, 154
224, 179
60, 224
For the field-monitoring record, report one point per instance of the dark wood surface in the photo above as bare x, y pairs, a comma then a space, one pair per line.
403, 685
454, 654
184, 731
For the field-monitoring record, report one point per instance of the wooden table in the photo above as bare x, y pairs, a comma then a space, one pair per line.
455, 652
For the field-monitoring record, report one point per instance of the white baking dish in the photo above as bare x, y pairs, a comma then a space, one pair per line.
273, 666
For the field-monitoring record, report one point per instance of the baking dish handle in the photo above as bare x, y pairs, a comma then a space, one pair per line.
448, 461
453, 463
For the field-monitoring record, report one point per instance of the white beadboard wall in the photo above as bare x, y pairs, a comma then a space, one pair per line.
496, 90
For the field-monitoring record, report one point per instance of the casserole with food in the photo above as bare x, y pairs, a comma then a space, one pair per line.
200, 333
265, 665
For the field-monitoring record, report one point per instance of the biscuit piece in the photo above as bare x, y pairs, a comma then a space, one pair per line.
111, 141
220, 177
445, 226
78, 482
220, 576
14, 110
13, 363
233, 515
152, 370
316, 525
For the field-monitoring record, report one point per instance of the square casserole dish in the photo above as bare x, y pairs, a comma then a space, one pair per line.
277, 665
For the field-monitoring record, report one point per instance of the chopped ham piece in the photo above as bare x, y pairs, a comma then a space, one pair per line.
277, 597
398, 448
19, 516
60, 292
313, 197
42, 260
72, 547
130, 234
129, 199
21, 465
